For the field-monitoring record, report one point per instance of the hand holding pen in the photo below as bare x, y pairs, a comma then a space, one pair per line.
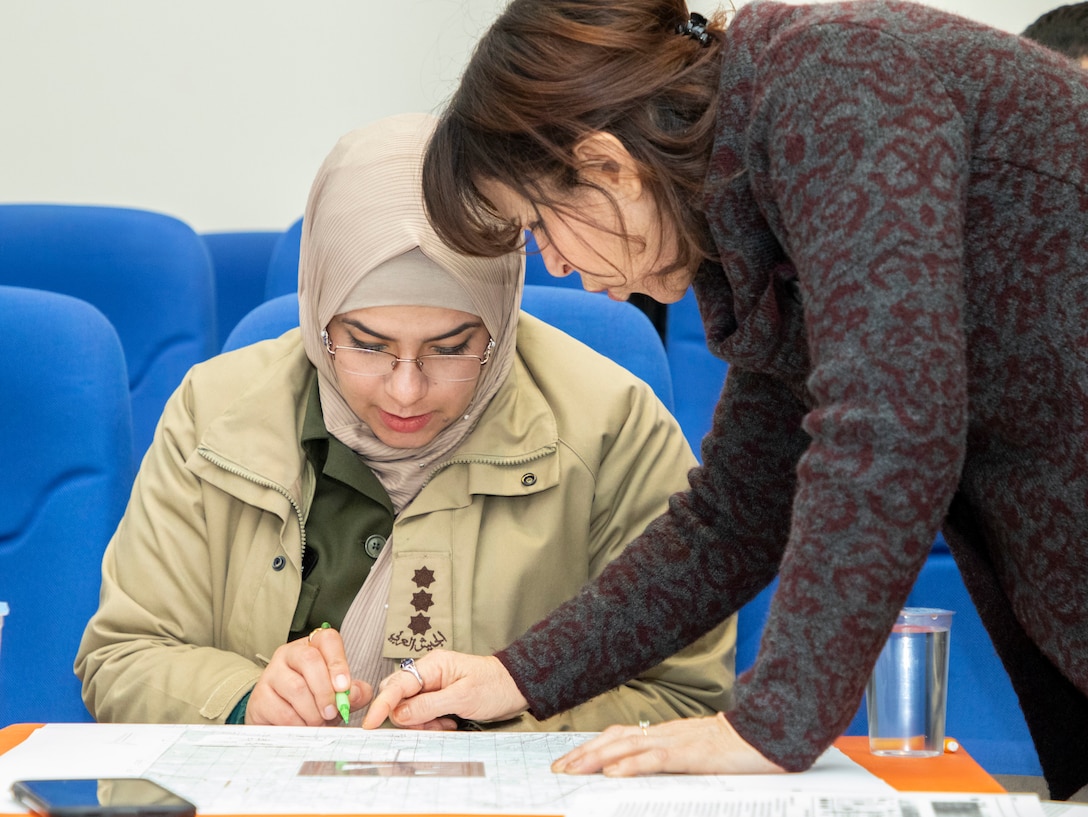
307, 683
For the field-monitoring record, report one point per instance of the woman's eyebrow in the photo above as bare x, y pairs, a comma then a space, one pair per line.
362, 327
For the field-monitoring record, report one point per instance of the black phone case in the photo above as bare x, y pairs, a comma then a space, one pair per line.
153, 800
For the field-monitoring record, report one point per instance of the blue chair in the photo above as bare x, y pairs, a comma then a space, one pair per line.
149, 273
697, 375
268, 320
617, 330
281, 277
750, 621
240, 261
67, 450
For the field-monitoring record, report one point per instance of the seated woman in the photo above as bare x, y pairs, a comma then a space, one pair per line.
419, 465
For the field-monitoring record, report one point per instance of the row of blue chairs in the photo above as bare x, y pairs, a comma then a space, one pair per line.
174, 295
148, 273
164, 298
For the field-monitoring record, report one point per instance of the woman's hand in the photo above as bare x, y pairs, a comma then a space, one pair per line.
470, 686
299, 685
690, 746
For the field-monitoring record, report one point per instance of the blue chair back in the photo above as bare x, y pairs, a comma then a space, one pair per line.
282, 274
750, 620
697, 376
265, 321
240, 261
67, 450
618, 330
148, 273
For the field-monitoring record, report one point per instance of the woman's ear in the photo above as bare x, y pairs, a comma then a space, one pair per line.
604, 161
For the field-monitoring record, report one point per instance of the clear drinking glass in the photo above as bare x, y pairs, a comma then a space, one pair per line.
907, 694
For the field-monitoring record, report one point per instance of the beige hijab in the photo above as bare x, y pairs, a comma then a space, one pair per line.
366, 241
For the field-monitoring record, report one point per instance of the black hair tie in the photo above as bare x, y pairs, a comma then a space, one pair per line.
695, 28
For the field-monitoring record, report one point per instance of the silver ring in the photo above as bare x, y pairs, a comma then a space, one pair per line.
644, 725
409, 665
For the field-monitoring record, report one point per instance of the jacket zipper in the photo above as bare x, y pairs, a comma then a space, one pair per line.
489, 461
264, 483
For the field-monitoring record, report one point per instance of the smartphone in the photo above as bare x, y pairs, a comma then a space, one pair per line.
101, 797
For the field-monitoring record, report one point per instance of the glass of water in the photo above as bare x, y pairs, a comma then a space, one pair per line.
908, 691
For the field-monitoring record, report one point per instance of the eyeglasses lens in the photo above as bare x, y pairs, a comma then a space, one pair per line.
442, 368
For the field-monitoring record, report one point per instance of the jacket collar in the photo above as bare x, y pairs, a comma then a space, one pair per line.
251, 435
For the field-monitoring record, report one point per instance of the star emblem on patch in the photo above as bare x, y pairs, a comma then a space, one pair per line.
424, 577
419, 624
422, 600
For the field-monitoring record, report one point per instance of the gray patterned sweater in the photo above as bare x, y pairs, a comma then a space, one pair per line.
900, 198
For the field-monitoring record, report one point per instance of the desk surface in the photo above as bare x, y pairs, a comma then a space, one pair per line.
951, 772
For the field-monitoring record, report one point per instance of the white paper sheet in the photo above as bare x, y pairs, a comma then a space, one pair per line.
255, 770
678, 803
1064, 809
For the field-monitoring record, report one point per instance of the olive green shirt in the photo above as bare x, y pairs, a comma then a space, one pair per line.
349, 521
350, 518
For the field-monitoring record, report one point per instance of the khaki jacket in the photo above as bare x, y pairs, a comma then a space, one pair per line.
571, 460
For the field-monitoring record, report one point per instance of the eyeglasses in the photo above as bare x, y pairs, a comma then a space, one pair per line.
440, 368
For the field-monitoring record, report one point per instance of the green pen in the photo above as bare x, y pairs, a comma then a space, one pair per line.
342, 702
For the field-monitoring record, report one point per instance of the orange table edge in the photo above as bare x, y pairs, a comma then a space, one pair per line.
952, 771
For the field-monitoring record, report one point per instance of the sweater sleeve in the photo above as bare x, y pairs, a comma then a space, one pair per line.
859, 163
712, 551
641, 462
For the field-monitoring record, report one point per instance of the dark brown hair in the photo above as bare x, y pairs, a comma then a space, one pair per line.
1064, 29
549, 72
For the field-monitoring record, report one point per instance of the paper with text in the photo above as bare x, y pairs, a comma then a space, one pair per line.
282, 770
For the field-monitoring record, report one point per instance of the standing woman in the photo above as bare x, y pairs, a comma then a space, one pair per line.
883, 210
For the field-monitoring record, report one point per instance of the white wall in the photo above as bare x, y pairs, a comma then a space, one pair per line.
220, 111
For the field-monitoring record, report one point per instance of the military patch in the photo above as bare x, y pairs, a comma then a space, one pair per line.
420, 615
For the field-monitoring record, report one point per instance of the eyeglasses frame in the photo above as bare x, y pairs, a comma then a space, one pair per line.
331, 349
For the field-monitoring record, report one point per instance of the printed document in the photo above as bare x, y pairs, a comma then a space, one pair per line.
285, 770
